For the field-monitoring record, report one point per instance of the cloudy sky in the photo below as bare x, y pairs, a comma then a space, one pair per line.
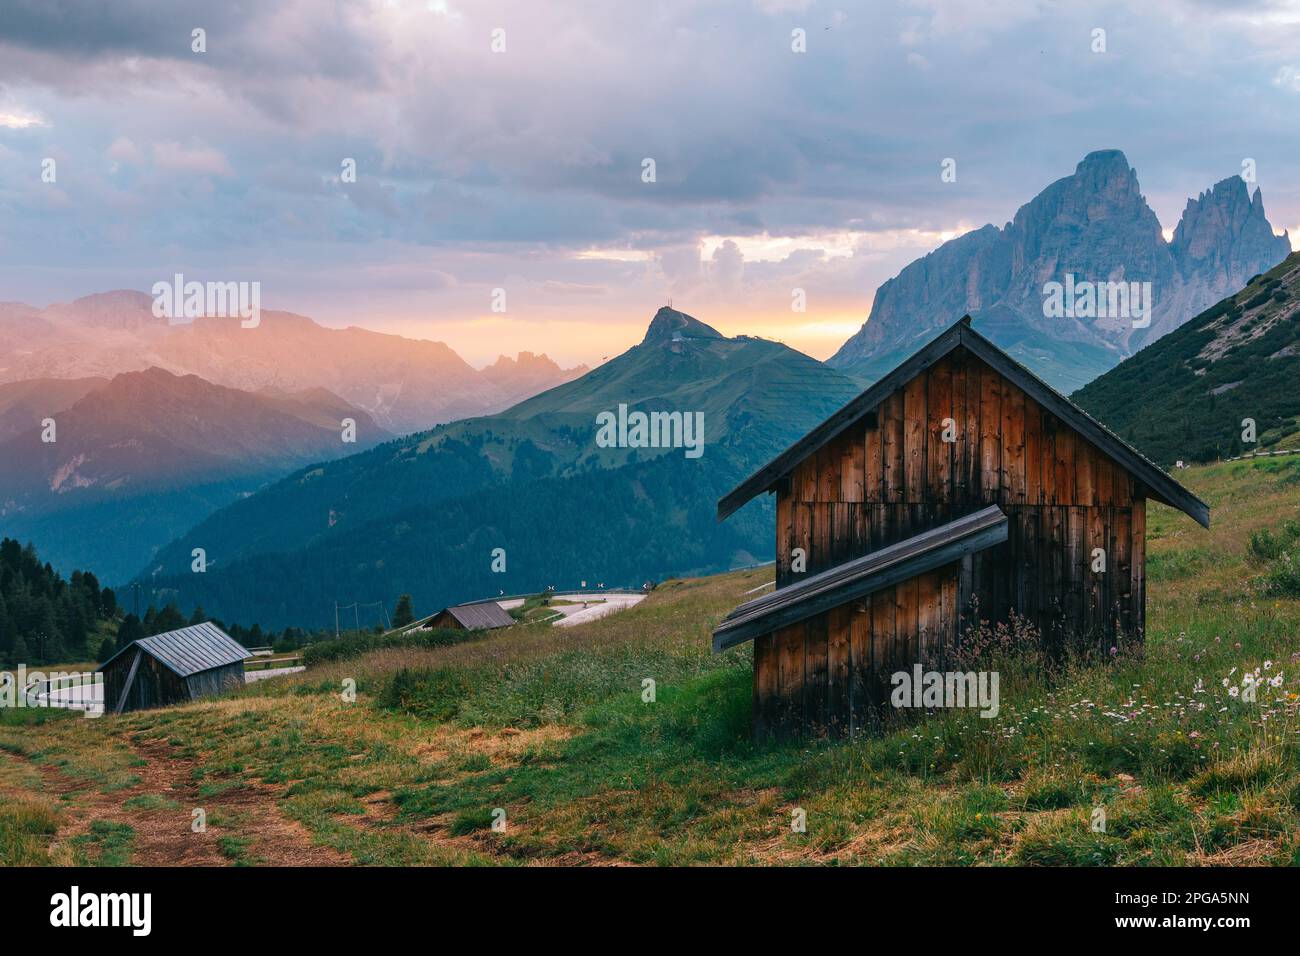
522, 168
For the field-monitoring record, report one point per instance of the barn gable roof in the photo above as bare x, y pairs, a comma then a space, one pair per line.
1159, 484
481, 614
189, 650
862, 576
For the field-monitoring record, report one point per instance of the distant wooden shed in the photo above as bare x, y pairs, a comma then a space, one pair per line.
957, 429
479, 615
172, 668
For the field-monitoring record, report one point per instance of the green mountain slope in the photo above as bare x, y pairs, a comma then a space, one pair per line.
1185, 396
422, 514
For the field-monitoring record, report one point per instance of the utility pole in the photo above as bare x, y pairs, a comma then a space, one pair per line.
356, 614
336, 620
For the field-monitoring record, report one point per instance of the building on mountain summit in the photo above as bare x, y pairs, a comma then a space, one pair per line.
958, 489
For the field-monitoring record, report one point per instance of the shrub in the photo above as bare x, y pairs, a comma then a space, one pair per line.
1283, 577
1266, 546
1258, 299
432, 694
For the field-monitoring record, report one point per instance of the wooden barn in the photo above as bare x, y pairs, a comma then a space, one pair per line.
173, 668
479, 615
959, 487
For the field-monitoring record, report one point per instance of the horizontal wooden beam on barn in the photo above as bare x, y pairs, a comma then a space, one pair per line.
858, 578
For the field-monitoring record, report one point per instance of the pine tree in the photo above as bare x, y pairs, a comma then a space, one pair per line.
403, 615
130, 630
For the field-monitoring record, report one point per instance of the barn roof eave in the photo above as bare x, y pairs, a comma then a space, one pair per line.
136, 645
476, 615
862, 576
190, 650
1159, 484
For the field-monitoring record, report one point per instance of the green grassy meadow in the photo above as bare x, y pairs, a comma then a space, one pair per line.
546, 733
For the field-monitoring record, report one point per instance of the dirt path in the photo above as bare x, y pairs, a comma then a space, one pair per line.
161, 816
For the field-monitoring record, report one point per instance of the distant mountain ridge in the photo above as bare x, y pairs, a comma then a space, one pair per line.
25, 404
1186, 396
138, 459
405, 384
422, 514
1095, 225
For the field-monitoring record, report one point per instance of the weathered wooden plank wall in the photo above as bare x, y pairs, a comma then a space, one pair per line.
831, 673
155, 685
874, 486
218, 680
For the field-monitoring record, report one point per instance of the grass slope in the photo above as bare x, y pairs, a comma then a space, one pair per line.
1185, 396
550, 727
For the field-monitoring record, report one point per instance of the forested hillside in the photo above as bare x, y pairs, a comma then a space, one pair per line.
45, 618
1187, 395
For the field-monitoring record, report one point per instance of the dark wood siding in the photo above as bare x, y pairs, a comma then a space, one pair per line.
155, 685
447, 620
831, 673
873, 486
216, 681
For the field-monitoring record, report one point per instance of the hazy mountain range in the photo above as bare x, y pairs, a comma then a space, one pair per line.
158, 425
208, 435
136, 460
422, 514
404, 384
1096, 226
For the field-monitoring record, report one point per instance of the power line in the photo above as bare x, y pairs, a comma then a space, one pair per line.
356, 607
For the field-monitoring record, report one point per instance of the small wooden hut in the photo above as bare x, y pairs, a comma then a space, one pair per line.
479, 615
898, 475
173, 668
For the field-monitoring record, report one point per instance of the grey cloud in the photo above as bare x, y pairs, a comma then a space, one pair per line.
537, 152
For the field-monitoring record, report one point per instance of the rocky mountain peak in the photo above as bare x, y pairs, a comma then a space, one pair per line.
1093, 226
125, 309
1224, 232
669, 322
1105, 166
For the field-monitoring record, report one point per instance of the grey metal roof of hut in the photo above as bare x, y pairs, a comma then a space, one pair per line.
862, 576
190, 650
480, 615
1160, 485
